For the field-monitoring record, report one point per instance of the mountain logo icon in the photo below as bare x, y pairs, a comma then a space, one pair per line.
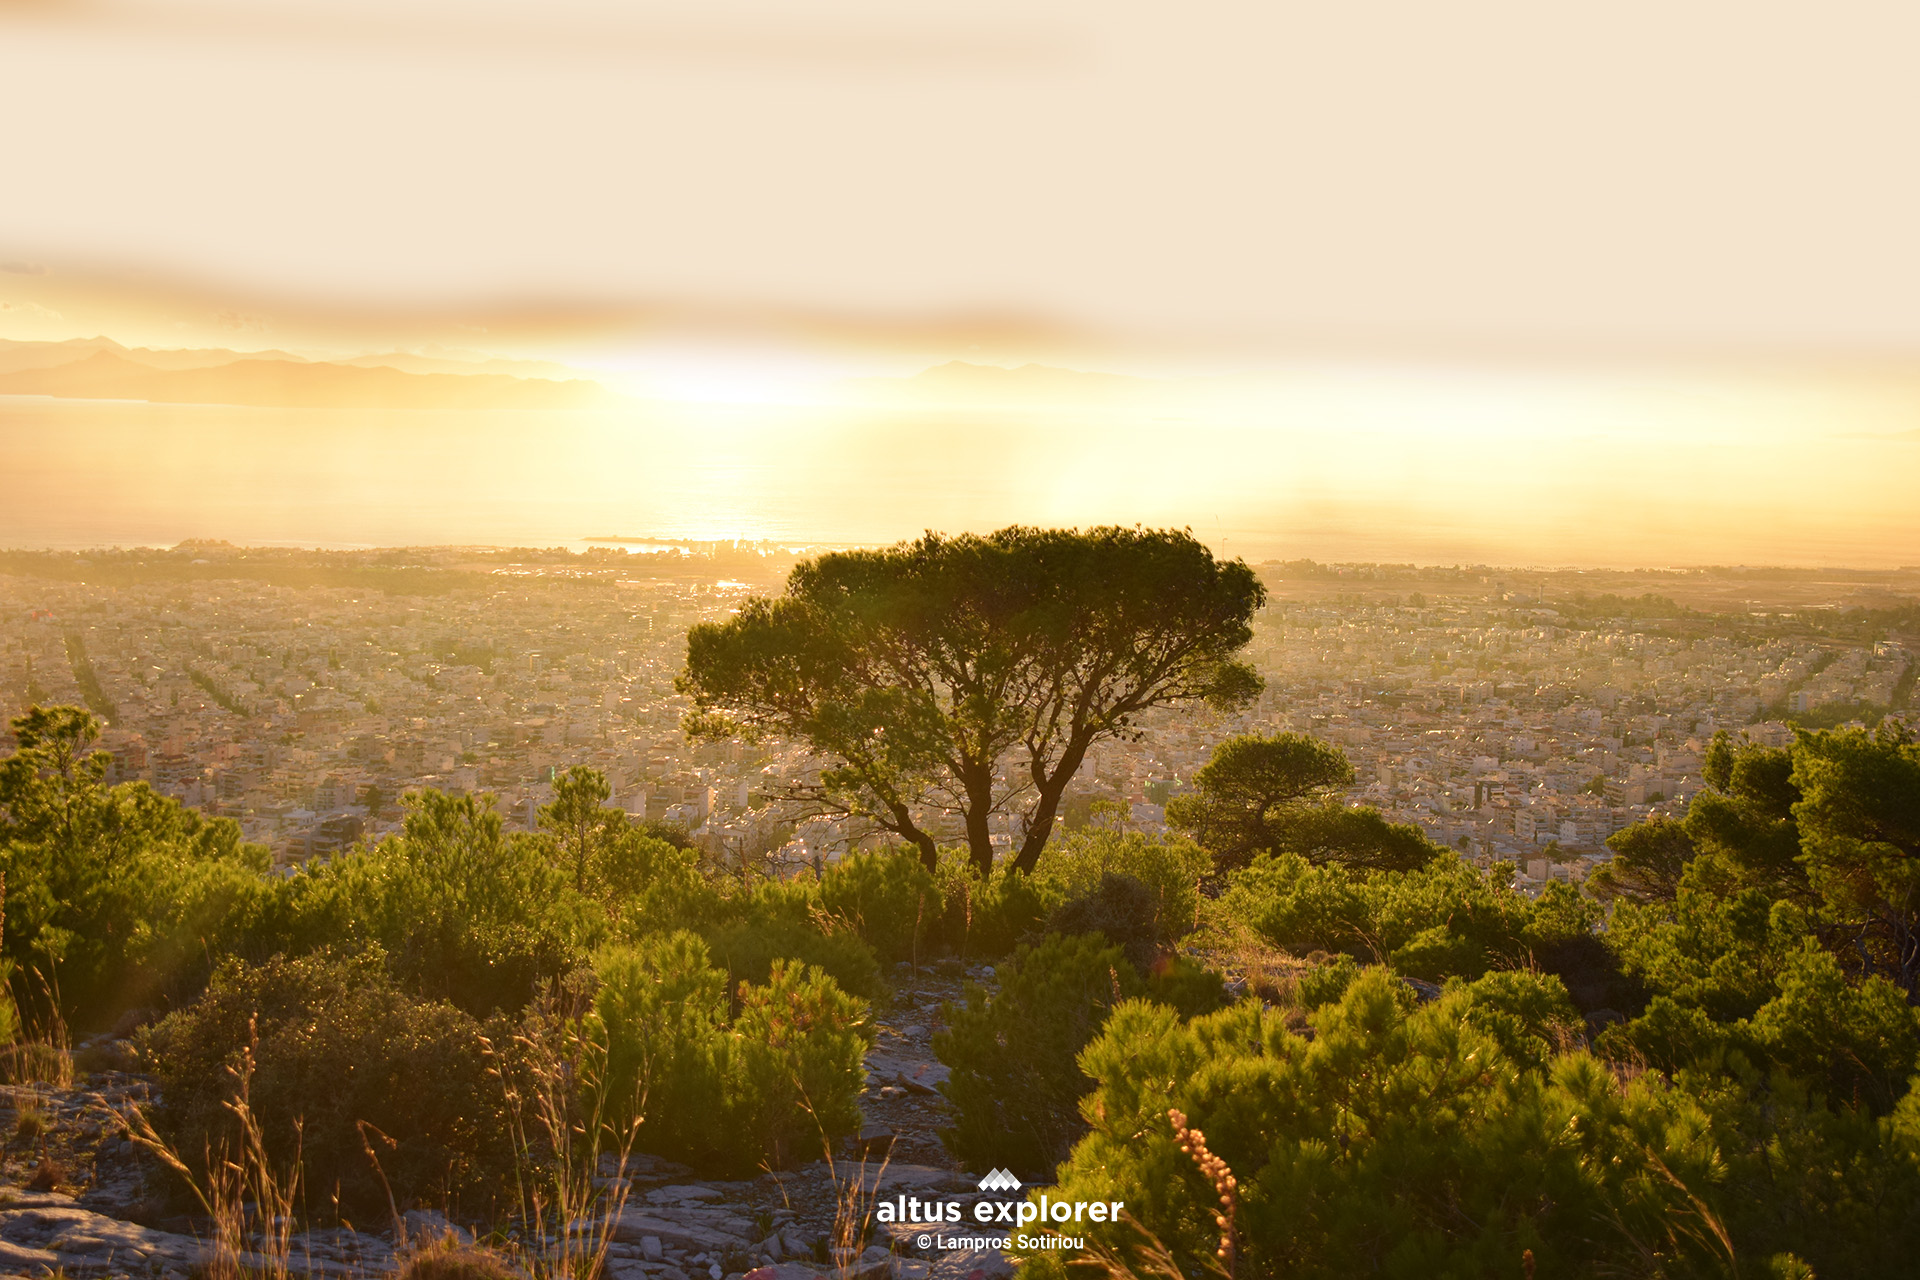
1000, 1180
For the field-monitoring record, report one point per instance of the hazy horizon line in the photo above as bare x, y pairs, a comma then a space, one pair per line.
800, 546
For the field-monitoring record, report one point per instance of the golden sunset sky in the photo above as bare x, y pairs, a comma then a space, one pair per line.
1383, 247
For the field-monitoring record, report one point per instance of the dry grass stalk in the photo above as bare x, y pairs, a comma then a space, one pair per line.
558, 1113
47, 1061
853, 1202
37, 1062
1232, 948
853, 1197
448, 1259
249, 1201
1150, 1259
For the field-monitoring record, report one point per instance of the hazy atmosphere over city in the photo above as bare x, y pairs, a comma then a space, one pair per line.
991, 642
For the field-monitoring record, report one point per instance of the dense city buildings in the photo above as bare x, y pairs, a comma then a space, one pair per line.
1520, 720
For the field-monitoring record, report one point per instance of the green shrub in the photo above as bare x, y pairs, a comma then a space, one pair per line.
1436, 953
985, 919
1666, 1036
1445, 919
662, 1005
650, 885
796, 1067
115, 896
749, 949
1831, 1183
1479, 908
1119, 908
890, 900
1326, 983
337, 1044
769, 1085
464, 910
1187, 985
1397, 1141
1015, 1082
1291, 904
1527, 1014
1170, 867
1855, 1042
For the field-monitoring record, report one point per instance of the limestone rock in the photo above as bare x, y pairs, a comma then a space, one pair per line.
972, 1264
679, 1231
639, 1164
875, 1139
20, 1259
431, 1224
874, 1264
783, 1271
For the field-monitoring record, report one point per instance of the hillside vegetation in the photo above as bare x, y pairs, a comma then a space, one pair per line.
1408, 1067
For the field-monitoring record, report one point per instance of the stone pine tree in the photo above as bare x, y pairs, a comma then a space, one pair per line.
972, 674
1280, 794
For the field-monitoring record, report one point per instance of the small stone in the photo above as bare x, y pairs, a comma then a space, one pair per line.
715, 1270
876, 1139
650, 1248
972, 1264
431, 1224
875, 1264
783, 1271
674, 1273
909, 1083
693, 1191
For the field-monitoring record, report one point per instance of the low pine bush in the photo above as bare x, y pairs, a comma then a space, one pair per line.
726, 1091
985, 918
1187, 985
794, 1070
1457, 1138
1015, 1082
750, 948
1169, 868
1325, 983
1119, 908
890, 900
335, 1045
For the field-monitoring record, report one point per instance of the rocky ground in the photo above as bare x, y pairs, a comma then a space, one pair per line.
78, 1198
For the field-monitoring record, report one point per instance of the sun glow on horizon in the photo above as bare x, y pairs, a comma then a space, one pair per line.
718, 439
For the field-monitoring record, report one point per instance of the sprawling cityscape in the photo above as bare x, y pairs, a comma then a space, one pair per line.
1520, 717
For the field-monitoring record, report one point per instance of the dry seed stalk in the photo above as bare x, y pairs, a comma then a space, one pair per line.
1214, 1170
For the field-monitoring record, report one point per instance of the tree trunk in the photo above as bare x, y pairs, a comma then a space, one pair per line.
903, 825
979, 784
1046, 809
929, 851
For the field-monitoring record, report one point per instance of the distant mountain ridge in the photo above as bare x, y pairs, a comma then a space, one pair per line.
102, 369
